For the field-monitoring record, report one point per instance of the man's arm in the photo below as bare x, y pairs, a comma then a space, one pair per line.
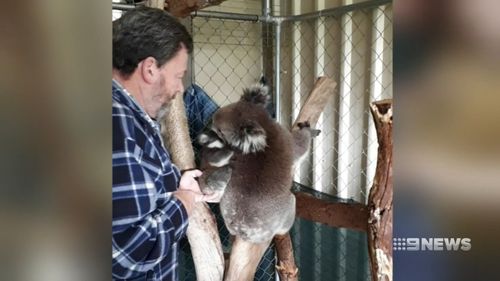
143, 232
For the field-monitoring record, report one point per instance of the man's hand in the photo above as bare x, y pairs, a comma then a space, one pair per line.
189, 191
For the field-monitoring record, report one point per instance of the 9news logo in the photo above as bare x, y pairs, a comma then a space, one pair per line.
431, 244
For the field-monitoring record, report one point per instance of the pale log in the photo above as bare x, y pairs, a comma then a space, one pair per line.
315, 103
202, 233
244, 259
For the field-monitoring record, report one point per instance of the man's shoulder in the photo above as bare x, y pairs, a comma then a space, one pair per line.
120, 108
127, 124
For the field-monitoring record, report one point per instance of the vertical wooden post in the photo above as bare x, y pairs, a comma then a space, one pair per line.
202, 231
286, 267
380, 198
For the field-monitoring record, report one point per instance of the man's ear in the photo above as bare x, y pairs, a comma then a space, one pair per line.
148, 69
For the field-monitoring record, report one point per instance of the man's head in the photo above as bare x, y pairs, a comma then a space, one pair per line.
151, 47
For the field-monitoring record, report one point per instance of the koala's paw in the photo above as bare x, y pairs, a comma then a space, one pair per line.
307, 125
304, 124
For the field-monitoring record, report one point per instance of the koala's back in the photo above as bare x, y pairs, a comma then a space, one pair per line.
258, 203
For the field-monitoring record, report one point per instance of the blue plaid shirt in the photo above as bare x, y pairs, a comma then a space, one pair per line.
148, 221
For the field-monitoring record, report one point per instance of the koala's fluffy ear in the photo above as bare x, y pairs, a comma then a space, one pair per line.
210, 139
252, 137
257, 94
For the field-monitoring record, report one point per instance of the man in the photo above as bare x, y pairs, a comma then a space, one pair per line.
151, 201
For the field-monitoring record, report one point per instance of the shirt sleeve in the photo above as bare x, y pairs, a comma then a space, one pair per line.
143, 230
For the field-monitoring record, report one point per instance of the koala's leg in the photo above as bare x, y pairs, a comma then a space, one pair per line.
288, 217
220, 157
215, 180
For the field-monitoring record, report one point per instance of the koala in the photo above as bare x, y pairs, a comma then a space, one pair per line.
215, 156
257, 203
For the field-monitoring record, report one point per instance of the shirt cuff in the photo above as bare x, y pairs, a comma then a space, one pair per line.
178, 218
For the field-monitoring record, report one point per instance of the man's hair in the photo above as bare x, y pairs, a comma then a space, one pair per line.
147, 32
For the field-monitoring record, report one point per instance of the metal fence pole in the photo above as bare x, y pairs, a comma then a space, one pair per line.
277, 72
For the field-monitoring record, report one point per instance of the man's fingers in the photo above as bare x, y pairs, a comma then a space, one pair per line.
193, 173
211, 198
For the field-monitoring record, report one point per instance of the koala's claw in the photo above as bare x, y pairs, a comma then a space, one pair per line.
315, 133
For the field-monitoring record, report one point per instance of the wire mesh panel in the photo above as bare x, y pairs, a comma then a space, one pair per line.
227, 57
355, 50
316, 247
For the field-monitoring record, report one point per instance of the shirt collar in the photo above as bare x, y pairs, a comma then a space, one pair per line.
128, 99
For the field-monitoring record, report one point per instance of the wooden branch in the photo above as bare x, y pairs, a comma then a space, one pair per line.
202, 231
316, 101
349, 215
380, 198
286, 267
159, 4
244, 259
183, 8
315, 104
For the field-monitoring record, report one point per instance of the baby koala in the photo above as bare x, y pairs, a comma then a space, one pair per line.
215, 156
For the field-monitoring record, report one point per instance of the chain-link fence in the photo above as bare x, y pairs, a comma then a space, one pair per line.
227, 56
355, 50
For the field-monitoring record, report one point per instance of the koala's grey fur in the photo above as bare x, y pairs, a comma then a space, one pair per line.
215, 156
302, 140
215, 152
257, 203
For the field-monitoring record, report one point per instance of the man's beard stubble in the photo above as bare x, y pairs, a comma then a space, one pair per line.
165, 108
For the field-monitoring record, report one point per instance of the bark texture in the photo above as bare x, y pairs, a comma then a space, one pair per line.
286, 267
381, 194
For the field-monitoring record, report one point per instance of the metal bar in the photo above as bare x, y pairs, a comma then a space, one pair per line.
266, 8
277, 75
338, 10
269, 18
226, 16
